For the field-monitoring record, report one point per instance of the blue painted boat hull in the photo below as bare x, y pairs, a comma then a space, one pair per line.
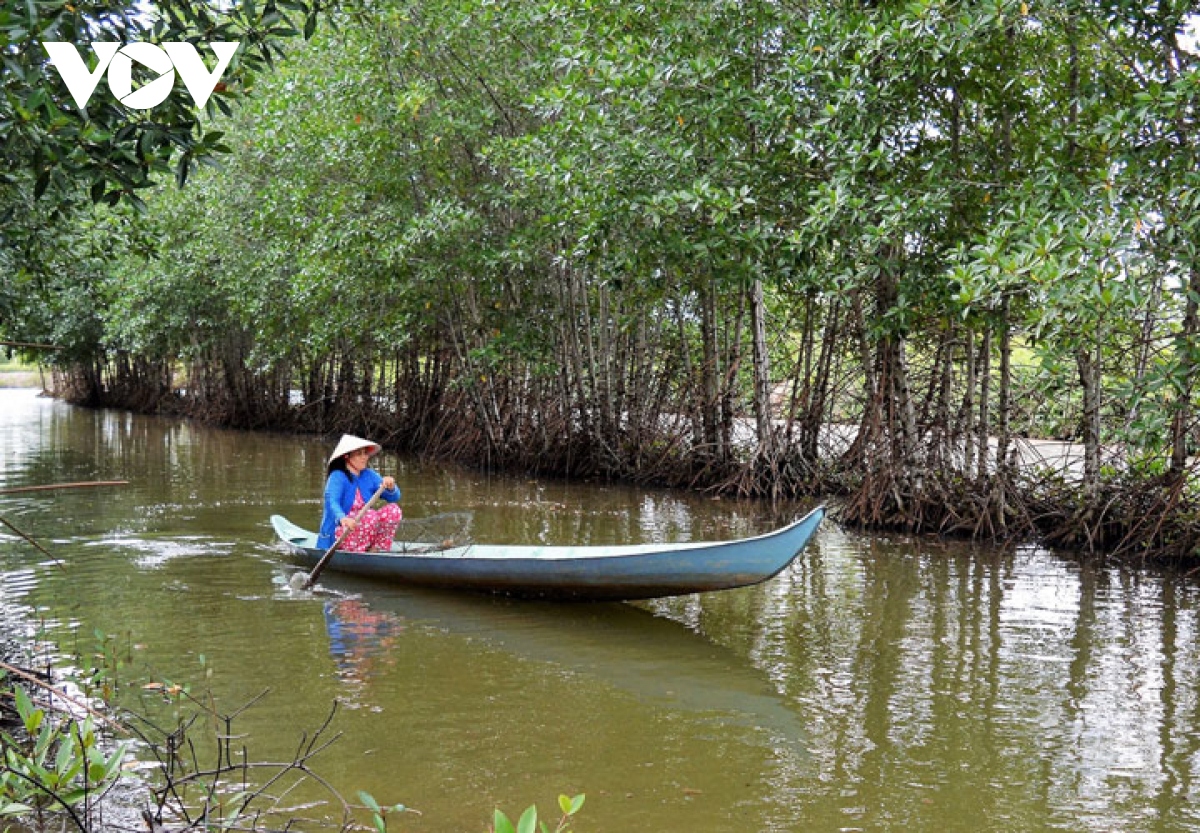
563, 572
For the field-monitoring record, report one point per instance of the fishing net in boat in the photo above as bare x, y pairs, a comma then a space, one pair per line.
449, 529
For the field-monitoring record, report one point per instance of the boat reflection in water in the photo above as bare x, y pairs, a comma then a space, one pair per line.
657, 660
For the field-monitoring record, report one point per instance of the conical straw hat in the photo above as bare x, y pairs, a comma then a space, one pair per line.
350, 443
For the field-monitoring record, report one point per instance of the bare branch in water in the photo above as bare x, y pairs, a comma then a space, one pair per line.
46, 488
49, 487
29, 539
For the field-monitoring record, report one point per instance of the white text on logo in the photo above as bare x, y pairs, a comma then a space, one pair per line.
166, 59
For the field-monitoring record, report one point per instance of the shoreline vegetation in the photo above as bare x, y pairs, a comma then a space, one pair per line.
1037, 492
873, 252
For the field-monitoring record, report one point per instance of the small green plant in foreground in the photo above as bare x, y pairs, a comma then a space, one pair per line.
528, 823
379, 814
58, 766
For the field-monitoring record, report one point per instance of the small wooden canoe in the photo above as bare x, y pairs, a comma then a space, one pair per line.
636, 571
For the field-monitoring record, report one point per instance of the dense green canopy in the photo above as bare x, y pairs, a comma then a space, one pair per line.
759, 246
58, 158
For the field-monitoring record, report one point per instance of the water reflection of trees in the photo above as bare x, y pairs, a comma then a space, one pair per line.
948, 682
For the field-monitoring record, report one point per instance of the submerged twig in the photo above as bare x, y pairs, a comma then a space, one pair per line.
52, 486
46, 488
30, 540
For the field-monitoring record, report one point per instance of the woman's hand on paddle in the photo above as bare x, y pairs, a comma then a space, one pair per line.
389, 482
347, 523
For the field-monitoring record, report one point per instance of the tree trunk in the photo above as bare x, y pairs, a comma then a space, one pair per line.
984, 426
1087, 361
999, 498
762, 373
710, 414
1186, 355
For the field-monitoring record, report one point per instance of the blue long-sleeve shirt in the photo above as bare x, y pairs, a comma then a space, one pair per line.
340, 487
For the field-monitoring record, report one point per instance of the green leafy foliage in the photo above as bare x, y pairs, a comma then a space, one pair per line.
58, 161
57, 764
528, 821
108, 152
379, 814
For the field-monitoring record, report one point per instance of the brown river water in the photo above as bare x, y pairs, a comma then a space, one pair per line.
881, 683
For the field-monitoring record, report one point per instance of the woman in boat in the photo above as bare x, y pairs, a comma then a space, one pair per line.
352, 482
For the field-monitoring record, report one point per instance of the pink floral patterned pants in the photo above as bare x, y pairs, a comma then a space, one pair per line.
375, 529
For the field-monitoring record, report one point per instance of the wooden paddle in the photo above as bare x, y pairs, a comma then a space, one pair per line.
316, 571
